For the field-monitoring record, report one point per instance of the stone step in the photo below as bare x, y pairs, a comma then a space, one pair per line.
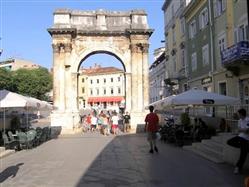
210, 156
2, 149
218, 147
218, 139
6, 153
209, 150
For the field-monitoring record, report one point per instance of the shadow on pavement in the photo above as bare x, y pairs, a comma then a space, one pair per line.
9, 172
116, 165
125, 161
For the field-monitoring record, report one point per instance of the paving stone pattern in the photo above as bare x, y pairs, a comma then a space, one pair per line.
98, 161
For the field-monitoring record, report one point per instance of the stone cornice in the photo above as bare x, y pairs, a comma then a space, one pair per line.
53, 31
140, 31
74, 31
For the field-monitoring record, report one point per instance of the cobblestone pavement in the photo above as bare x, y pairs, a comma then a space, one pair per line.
95, 160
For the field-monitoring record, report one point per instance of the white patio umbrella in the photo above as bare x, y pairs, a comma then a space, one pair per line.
13, 100
10, 99
201, 98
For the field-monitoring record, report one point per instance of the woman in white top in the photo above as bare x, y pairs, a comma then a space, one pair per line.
115, 123
94, 121
242, 140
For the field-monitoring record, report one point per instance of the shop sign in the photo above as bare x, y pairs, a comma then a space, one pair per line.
206, 80
208, 101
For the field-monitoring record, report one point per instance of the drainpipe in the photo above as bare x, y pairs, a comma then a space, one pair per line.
211, 44
248, 15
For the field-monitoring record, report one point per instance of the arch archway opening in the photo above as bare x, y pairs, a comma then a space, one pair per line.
101, 83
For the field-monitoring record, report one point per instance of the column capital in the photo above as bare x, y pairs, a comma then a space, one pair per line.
62, 47
139, 47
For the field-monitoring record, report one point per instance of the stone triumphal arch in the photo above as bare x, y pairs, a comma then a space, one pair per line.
78, 34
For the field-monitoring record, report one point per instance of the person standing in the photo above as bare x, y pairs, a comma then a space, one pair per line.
127, 118
115, 123
241, 141
151, 127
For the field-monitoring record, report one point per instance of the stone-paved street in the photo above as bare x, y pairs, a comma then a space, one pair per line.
95, 160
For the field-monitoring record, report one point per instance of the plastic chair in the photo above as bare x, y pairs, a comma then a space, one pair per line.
9, 144
23, 140
31, 135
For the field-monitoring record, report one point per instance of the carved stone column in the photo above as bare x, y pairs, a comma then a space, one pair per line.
128, 91
134, 79
58, 73
145, 49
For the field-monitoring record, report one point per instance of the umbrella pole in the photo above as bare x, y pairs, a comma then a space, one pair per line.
27, 118
4, 119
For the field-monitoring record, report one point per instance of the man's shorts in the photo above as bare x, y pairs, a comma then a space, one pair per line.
151, 136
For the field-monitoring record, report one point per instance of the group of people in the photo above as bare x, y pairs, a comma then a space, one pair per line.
240, 141
106, 122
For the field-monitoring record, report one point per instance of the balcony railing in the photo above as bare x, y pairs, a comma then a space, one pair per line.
236, 54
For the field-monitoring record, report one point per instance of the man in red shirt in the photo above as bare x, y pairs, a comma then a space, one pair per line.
151, 127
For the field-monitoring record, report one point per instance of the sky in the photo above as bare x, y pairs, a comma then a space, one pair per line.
24, 24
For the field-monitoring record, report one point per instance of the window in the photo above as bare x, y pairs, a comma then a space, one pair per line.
111, 79
83, 90
182, 25
185, 87
83, 80
104, 91
166, 40
104, 80
119, 90
91, 81
174, 64
203, 18
192, 29
97, 80
173, 35
118, 79
194, 61
223, 88
240, 33
172, 10
183, 57
91, 92
219, 7
111, 90
205, 55
222, 42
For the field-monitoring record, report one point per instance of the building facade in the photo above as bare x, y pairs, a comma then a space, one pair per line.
102, 88
199, 44
157, 76
235, 56
215, 43
14, 64
175, 52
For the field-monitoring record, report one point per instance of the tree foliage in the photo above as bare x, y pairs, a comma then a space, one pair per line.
30, 82
6, 80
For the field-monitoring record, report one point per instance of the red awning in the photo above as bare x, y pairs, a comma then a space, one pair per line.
105, 99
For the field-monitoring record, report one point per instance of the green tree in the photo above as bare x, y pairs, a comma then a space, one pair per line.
35, 82
6, 80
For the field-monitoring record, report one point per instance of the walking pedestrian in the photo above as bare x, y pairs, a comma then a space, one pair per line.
127, 118
241, 141
151, 127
